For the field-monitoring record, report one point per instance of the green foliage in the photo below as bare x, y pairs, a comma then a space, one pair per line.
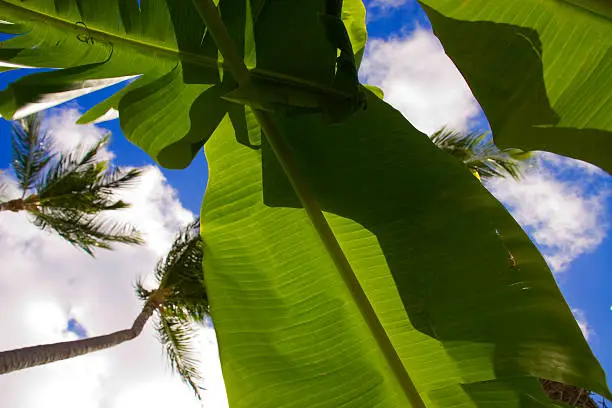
479, 154
73, 193
465, 320
176, 336
85, 232
179, 275
69, 193
539, 69
31, 152
181, 271
472, 311
79, 182
165, 44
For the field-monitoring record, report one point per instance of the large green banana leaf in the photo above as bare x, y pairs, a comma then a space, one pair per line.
472, 317
541, 70
469, 304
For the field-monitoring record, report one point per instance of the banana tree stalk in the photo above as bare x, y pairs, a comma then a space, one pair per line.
19, 359
209, 13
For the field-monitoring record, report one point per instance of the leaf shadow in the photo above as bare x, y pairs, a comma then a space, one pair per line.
436, 226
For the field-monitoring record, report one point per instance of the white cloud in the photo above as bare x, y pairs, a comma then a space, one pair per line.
557, 204
583, 324
44, 282
567, 164
66, 135
420, 80
156, 209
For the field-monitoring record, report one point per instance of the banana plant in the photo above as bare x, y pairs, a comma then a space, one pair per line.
349, 261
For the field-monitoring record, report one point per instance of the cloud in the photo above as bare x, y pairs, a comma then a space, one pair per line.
156, 210
47, 286
561, 203
583, 324
420, 81
66, 136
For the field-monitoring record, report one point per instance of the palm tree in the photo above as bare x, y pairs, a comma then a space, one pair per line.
67, 193
568, 394
179, 301
478, 153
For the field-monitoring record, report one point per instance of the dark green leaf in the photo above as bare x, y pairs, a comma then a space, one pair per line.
31, 151
540, 70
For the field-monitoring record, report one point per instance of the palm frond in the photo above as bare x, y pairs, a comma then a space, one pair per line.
115, 179
80, 182
88, 190
478, 152
142, 293
181, 271
31, 151
180, 278
176, 336
85, 231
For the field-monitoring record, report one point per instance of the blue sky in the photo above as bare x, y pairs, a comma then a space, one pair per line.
584, 256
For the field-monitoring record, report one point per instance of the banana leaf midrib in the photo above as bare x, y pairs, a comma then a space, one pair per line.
201, 60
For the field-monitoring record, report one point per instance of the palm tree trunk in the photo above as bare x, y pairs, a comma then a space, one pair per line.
568, 394
15, 205
18, 359
29, 203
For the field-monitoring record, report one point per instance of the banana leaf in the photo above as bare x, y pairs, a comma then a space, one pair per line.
471, 310
541, 70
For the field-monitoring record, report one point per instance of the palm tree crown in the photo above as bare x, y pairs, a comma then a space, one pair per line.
184, 302
68, 193
478, 152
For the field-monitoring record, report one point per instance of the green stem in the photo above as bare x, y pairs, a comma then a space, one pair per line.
282, 150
